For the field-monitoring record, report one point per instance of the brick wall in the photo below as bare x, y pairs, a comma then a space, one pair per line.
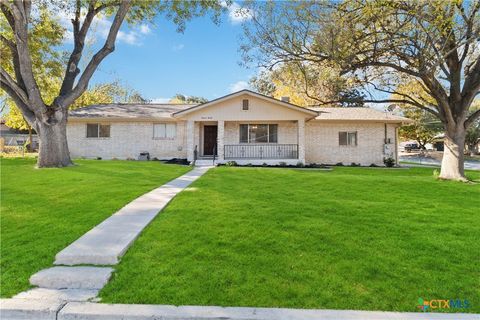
127, 140
322, 142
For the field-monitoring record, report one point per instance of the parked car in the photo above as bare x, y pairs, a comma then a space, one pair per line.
409, 147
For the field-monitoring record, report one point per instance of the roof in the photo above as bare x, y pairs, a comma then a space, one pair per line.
129, 110
135, 111
357, 114
248, 92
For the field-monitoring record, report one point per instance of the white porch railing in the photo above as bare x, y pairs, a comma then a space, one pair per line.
261, 151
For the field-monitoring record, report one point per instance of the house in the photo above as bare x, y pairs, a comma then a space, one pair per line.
15, 137
245, 127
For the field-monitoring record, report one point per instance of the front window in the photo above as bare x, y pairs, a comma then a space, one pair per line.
258, 133
164, 130
96, 130
347, 138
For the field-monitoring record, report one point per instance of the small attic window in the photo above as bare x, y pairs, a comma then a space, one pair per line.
245, 104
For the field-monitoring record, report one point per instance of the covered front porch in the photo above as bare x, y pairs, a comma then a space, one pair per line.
246, 127
244, 142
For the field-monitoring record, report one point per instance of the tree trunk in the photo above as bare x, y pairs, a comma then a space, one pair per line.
53, 146
453, 157
30, 142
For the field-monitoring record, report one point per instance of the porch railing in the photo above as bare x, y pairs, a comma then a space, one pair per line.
261, 151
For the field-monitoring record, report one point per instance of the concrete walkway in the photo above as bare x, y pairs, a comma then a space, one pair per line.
103, 245
107, 242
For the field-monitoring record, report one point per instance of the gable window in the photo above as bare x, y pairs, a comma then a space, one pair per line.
164, 130
347, 138
245, 104
97, 130
258, 133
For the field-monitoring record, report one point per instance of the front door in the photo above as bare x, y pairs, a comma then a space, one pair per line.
209, 140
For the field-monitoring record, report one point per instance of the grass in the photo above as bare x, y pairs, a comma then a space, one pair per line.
44, 210
351, 238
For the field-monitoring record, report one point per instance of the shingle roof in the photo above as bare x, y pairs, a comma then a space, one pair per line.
359, 114
133, 111
165, 111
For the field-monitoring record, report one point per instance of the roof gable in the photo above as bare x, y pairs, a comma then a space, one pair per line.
249, 93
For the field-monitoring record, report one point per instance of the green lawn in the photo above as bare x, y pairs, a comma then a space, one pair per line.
351, 238
44, 210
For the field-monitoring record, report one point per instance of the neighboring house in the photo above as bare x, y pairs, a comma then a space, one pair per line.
14, 137
245, 126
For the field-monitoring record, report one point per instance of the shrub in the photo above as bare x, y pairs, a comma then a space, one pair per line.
389, 162
300, 164
249, 165
353, 164
282, 164
99, 158
231, 164
373, 165
264, 164
339, 164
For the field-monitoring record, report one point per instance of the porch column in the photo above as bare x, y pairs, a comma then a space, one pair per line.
190, 140
301, 140
220, 140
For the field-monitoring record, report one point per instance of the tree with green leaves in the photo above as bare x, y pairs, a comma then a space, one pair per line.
423, 129
180, 98
383, 44
307, 85
21, 34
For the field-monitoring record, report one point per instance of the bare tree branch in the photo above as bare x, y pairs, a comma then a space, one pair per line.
64, 101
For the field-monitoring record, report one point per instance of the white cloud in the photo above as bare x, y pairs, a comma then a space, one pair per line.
160, 100
100, 28
239, 85
236, 13
130, 37
145, 29
178, 47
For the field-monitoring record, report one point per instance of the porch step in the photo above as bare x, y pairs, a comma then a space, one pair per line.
205, 163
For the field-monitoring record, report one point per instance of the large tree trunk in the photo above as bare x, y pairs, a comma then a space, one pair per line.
53, 149
453, 158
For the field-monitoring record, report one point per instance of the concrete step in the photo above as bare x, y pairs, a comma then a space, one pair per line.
205, 163
72, 277
59, 294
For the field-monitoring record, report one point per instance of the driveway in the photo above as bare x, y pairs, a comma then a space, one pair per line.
434, 160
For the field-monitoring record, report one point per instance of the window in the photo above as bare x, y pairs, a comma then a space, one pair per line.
164, 130
347, 138
96, 130
258, 133
245, 104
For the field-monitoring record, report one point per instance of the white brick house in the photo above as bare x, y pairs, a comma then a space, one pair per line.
244, 126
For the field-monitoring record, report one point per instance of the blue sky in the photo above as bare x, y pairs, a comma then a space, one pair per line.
159, 62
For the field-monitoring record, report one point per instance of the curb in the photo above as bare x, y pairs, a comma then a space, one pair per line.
46, 309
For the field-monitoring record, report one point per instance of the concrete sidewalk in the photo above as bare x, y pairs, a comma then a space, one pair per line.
16, 309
